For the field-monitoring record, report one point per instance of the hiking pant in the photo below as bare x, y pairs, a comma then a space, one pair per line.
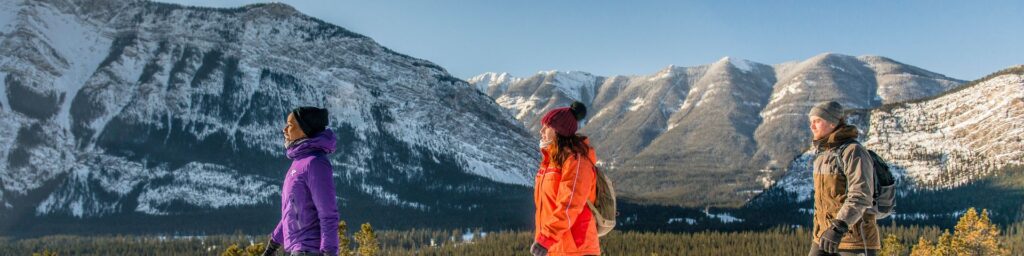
816, 251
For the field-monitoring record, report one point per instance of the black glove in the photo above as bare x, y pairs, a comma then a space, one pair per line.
271, 248
538, 250
829, 241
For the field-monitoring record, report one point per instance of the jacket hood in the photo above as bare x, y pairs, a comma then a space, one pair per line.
322, 143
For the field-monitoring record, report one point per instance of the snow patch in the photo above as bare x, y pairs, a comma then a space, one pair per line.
786, 90
484, 82
523, 106
468, 235
927, 216
722, 217
688, 221
663, 74
711, 90
574, 83
488, 170
798, 178
9, 17
82, 45
206, 185
741, 64
636, 103
836, 67
4, 106
388, 197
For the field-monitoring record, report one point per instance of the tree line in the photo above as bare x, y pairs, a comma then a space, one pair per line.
974, 234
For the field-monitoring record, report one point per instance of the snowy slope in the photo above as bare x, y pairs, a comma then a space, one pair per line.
942, 142
958, 137
135, 107
525, 98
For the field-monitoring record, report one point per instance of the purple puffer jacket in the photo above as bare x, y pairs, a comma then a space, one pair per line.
309, 210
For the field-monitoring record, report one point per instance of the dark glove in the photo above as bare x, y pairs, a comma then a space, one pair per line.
829, 241
538, 250
271, 248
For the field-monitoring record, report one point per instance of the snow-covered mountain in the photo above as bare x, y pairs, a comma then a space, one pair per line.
945, 141
958, 137
135, 108
715, 134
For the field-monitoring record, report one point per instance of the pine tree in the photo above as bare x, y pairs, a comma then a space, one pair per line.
255, 249
945, 245
344, 243
923, 248
45, 252
976, 235
233, 250
966, 224
891, 246
368, 245
990, 237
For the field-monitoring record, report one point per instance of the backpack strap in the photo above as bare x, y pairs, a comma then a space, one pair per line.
597, 174
837, 162
837, 157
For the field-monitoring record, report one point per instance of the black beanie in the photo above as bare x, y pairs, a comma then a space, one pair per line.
312, 120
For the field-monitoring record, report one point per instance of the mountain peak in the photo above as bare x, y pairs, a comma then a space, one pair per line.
568, 72
490, 74
741, 64
276, 9
668, 69
875, 58
829, 56
491, 77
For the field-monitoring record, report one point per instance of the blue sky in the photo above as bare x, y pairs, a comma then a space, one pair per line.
961, 39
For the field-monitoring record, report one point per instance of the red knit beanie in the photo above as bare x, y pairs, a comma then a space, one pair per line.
562, 120
565, 120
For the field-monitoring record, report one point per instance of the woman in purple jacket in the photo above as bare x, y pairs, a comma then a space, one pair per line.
309, 211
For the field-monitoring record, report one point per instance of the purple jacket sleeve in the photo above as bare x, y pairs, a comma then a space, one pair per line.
321, 186
277, 236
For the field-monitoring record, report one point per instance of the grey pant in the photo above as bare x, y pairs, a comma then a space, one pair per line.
816, 251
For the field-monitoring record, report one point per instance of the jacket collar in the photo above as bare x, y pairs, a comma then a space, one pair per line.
840, 136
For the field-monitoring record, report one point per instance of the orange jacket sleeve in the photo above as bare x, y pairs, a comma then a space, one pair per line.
574, 188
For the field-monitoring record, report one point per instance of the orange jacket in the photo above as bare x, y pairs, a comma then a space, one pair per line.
564, 224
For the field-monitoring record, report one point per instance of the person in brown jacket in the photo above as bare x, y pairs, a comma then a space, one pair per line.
843, 222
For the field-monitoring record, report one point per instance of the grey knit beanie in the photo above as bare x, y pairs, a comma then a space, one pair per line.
830, 111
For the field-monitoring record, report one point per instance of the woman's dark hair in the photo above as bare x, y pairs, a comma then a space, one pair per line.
565, 146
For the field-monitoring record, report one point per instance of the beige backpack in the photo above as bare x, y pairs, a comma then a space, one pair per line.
603, 206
